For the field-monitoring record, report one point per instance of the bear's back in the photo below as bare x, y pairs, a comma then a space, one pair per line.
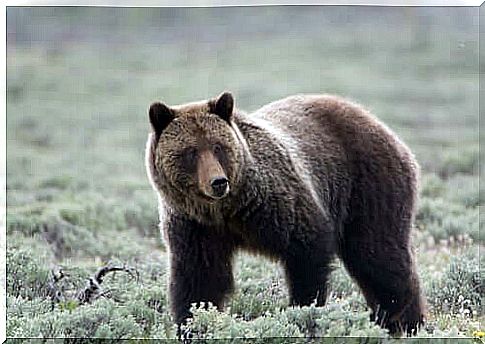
322, 125
336, 147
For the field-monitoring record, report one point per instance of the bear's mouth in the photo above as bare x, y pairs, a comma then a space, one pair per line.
213, 198
207, 198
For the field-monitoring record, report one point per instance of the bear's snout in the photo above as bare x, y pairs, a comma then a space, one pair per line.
220, 186
213, 181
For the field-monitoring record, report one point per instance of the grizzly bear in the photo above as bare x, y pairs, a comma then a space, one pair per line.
301, 180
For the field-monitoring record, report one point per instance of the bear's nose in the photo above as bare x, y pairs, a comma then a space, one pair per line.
220, 186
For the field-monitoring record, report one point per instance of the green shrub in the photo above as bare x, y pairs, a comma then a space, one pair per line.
103, 319
455, 227
463, 189
462, 161
432, 186
253, 299
212, 324
341, 284
461, 288
63, 230
20, 308
444, 220
129, 309
27, 273
58, 182
259, 287
436, 209
337, 319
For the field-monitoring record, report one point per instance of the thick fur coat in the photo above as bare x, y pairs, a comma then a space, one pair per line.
305, 179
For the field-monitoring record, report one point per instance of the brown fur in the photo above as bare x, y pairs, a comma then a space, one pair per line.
311, 177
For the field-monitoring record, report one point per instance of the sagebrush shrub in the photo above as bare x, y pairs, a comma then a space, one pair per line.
443, 220
461, 288
462, 161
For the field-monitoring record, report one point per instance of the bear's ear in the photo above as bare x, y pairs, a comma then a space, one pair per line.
223, 106
160, 116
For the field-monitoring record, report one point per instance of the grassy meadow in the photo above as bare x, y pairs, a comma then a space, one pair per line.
79, 82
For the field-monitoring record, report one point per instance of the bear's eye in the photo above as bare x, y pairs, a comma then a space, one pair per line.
217, 148
189, 158
190, 154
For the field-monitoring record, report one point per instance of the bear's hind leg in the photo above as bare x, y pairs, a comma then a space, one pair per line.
383, 267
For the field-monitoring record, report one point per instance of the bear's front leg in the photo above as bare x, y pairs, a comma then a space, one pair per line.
200, 266
307, 270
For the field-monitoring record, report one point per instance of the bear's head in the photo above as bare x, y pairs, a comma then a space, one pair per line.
194, 153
